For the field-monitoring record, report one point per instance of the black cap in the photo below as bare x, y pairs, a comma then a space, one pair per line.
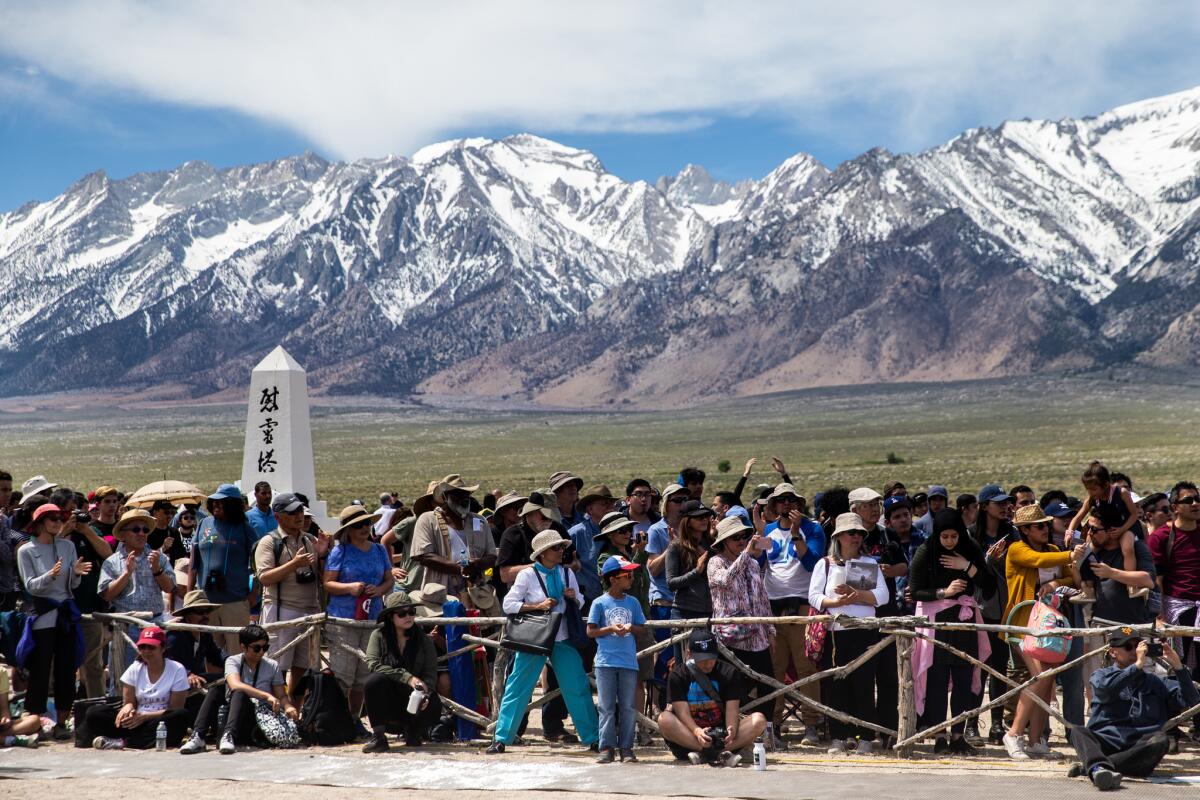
286, 503
1123, 637
702, 645
694, 508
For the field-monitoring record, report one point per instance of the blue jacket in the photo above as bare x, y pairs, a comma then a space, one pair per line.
588, 550
1130, 703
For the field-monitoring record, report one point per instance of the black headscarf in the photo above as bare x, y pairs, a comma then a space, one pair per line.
940, 577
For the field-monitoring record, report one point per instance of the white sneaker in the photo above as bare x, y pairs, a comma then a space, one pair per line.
865, 748
695, 758
1041, 750
731, 759
1015, 747
193, 745
837, 747
227, 746
108, 743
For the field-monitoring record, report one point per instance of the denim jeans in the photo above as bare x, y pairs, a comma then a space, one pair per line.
616, 687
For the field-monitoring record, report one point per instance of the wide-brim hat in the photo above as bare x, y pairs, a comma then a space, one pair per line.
510, 499
560, 479
594, 493
453, 482
429, 599
729, 527
613, 522
132, 516
36, 485
352, 515
395, 601
848, 522
195, 600
1030, 515
864, 494
548, 507
781, 491
544, 541
425, 502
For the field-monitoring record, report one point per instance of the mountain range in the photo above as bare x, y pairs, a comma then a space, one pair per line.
521, 269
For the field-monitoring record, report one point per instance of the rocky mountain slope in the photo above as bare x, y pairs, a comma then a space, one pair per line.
521, 267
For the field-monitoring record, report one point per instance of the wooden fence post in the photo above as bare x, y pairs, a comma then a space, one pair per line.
907, 724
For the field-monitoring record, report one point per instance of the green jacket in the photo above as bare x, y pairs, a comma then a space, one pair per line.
424, 666
641, 577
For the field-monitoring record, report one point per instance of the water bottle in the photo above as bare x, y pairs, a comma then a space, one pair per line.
760, 755
160, 738
463, 560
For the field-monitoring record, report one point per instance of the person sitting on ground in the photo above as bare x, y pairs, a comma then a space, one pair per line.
249, 676
945, 572
546, 586
703, 722
197, 652
1116, 504
614, 618
402, 660
15, 733
154, 689
1129, 706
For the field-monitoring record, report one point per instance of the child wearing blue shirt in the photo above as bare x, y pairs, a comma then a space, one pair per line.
614, 618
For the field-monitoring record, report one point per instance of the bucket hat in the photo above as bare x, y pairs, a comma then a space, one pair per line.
544, 541
613, 522
728, 527
195, 600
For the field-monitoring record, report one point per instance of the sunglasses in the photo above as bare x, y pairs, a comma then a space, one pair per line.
559, 547
741, 537
405, 612
137, 529
1187, 501
258, 648
674, 499
358, 525
855, 533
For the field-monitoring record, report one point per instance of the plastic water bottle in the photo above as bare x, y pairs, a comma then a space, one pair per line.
760, 755
160, 737
463, 560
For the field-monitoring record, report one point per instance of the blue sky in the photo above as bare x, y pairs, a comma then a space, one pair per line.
126, 85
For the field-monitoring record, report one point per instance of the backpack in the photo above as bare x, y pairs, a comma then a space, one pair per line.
325, 716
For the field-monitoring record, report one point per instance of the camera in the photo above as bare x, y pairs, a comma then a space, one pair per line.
215, 582
1154, 649
305, 576
83, 517
718, 735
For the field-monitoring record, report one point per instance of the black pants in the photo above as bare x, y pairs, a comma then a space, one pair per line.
937, 683
53, 654
855, 693
554, 713
760, 662
102, 720
887, 688
239, 721
1137, 761
998, 660
387, 706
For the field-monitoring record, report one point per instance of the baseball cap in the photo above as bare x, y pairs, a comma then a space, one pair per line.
153, 635
702, 645
614, 564
993, 493
286, 503
894, 502
938, 491
1123, 637
1059, 509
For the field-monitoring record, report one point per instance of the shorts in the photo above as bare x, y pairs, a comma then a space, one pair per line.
230, 615
349, 669
298, 656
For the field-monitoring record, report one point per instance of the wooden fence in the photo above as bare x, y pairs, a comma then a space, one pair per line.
903, 631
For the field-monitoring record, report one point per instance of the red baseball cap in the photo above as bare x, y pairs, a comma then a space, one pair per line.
153, 635
48, 508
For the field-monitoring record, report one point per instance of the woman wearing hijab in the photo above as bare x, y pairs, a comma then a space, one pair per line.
945, 573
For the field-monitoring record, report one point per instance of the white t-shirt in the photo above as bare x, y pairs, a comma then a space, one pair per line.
155, 696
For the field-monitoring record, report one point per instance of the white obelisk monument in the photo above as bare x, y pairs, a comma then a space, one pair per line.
278, 432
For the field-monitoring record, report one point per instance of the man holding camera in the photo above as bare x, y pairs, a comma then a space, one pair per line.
288, 561
1129, 706
702, 722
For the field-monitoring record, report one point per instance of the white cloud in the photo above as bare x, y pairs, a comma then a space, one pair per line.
369, 78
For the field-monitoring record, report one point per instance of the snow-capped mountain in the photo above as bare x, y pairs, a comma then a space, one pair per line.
523, 265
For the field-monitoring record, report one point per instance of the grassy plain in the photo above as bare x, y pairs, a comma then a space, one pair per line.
1040, 431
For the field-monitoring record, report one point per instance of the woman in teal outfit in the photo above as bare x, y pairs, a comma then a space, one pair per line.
543, 587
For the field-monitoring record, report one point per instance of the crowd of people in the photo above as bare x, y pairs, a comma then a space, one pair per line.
600, 566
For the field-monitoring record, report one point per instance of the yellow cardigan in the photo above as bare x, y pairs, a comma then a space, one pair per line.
1021, 570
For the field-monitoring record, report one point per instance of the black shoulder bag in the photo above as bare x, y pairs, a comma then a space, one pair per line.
532, 631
